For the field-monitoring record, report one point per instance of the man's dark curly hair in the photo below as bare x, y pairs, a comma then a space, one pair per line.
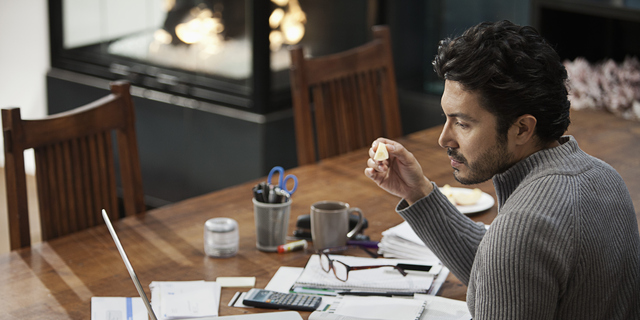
514, 70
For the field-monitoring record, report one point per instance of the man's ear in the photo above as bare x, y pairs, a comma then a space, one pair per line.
524, 129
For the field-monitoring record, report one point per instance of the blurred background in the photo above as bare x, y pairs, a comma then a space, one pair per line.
210, 77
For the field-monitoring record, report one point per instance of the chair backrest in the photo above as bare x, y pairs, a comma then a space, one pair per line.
343, 101
75, 170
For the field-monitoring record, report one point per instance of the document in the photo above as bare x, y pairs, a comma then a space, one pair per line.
402, 242
437, 308
185, 299
118, 308
379, 308
440, 308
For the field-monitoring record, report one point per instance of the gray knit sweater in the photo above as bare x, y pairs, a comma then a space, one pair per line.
564, 245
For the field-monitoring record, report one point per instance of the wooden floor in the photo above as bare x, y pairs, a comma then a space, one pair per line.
33, 212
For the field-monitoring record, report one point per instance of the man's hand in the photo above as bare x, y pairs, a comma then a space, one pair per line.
400, 175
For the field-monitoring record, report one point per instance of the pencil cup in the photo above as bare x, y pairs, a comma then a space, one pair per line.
272, 222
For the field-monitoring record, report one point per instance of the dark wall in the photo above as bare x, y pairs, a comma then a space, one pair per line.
589, 29
185, 152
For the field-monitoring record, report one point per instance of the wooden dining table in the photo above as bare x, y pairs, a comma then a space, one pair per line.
56, 279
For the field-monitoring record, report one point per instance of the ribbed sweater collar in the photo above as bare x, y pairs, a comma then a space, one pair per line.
506, 183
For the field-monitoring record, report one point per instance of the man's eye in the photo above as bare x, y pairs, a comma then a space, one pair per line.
461, 125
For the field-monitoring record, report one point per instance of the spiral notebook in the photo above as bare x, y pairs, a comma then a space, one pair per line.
380, 279
378, 308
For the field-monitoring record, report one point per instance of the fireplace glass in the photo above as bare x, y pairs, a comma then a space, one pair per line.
220, 51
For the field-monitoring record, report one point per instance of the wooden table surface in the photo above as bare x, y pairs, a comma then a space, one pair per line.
56, 280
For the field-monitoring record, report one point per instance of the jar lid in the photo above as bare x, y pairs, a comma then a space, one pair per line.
221, 225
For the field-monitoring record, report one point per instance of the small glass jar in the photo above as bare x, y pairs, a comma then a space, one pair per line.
221, 237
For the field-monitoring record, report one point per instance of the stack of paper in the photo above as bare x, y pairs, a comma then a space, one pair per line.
402, 242
185, 299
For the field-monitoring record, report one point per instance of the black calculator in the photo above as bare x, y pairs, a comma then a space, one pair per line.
277, 300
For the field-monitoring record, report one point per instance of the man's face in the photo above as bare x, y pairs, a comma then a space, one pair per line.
471, 137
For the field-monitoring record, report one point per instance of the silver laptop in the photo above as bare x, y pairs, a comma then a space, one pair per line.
283, 315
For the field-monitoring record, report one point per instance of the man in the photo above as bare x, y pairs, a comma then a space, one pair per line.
565, 243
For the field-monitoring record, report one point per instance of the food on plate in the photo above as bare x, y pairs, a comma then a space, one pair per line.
446, 190
461, 198
381, 152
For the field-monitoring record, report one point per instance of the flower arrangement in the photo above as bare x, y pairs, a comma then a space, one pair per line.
606, 85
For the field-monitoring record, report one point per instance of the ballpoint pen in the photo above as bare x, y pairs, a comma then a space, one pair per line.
364, 243
381, 294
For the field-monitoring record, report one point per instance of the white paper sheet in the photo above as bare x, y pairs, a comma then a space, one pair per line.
185, 299
118, 308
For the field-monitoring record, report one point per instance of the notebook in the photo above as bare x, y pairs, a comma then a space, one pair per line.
379, 279
285, 315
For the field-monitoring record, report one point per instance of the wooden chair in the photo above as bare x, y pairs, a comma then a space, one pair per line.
344, 101
75, 171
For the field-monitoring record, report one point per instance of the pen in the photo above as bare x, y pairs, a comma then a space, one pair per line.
381, 294
366, 244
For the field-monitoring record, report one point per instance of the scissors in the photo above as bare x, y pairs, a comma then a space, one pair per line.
282, 179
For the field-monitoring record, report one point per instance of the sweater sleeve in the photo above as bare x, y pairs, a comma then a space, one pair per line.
452, 236
526, 257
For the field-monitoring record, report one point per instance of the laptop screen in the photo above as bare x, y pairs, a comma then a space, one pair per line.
132, 273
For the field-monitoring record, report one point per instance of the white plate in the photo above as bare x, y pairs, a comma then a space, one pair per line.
485, 202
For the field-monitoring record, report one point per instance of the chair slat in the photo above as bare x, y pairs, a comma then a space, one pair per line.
86, 190
70, 189
46, 203
322, 113
371, 116
78, 185
110, 179
359, 127
341, 117
95, 173
103, 170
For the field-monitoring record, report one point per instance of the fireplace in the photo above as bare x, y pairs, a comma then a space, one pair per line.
231, 53
209, 78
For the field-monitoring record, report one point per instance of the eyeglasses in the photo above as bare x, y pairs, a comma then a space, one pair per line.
341, 269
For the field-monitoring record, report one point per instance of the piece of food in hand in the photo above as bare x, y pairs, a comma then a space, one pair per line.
461, 198
381, 152
467, 198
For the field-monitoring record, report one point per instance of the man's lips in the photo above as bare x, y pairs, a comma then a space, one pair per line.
455, 160
455, 163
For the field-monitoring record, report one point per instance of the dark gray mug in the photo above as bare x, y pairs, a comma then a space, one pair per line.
330, 224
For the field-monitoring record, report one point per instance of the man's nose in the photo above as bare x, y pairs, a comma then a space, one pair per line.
446, 139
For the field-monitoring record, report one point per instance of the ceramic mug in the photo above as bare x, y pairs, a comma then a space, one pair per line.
330, 224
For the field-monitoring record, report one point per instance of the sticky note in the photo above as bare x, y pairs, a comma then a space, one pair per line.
236, 281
